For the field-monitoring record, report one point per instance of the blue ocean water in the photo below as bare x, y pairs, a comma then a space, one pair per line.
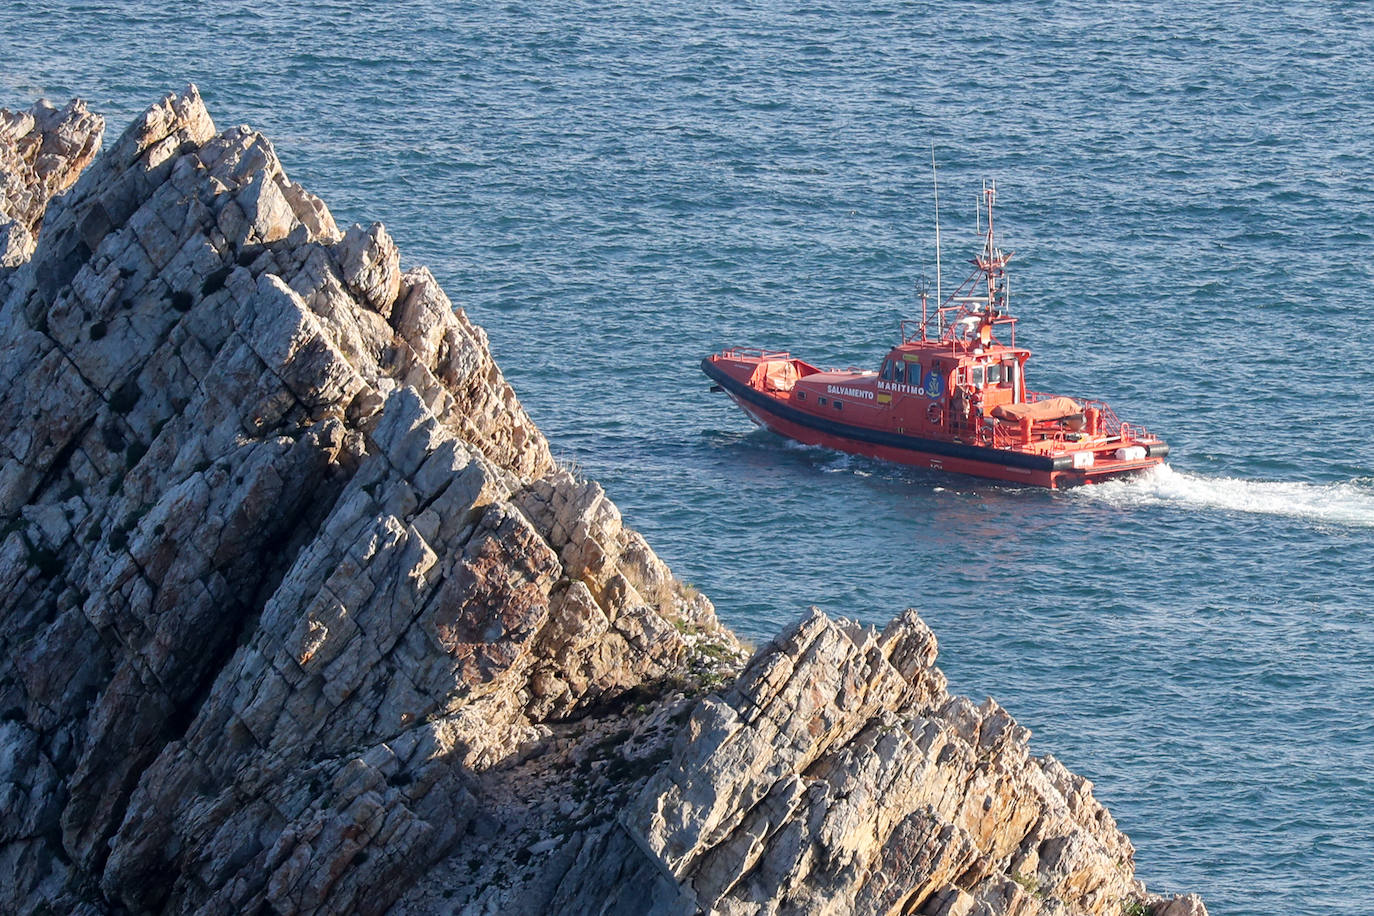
614, 191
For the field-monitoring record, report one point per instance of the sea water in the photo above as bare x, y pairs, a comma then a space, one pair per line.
616, 190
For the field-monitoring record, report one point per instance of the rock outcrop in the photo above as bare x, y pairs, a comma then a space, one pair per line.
299, 614
837, 775
42, 151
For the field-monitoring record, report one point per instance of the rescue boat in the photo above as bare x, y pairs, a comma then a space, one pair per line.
949, 397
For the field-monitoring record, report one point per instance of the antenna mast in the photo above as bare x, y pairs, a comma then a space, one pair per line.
978, 209
939, 295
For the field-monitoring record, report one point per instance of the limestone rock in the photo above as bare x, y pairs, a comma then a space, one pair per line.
272, 602
1184, 905
300, 616
42, 151
837, 775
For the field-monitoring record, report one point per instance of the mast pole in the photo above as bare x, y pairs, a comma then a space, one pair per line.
990, 191
939, 294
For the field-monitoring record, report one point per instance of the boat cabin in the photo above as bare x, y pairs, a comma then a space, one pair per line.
921, 387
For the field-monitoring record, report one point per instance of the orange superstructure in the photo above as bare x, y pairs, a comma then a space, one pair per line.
953, 400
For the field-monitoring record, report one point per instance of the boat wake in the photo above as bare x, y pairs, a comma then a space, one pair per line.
1349, 504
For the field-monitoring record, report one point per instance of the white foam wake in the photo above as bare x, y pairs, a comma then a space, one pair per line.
1348, 504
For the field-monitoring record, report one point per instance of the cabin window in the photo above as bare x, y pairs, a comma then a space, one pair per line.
977, 374
820, 401
899, 374
995, 374
886, 374
801, 395
839, 404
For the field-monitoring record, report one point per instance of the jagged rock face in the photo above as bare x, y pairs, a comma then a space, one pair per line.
286, 566
42, 151
299, 615
837, 776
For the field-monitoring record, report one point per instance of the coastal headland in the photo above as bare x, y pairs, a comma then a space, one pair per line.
300, 615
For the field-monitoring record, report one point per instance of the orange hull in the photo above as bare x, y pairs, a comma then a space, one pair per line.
881, 432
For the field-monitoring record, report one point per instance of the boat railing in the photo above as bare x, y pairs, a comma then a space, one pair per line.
1005, 435
1008, 436
755, 353
1111, 423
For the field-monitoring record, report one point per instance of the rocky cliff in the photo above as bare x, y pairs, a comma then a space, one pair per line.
42, 151
299, 615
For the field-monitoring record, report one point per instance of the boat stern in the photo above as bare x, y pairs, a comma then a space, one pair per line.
1099, 462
